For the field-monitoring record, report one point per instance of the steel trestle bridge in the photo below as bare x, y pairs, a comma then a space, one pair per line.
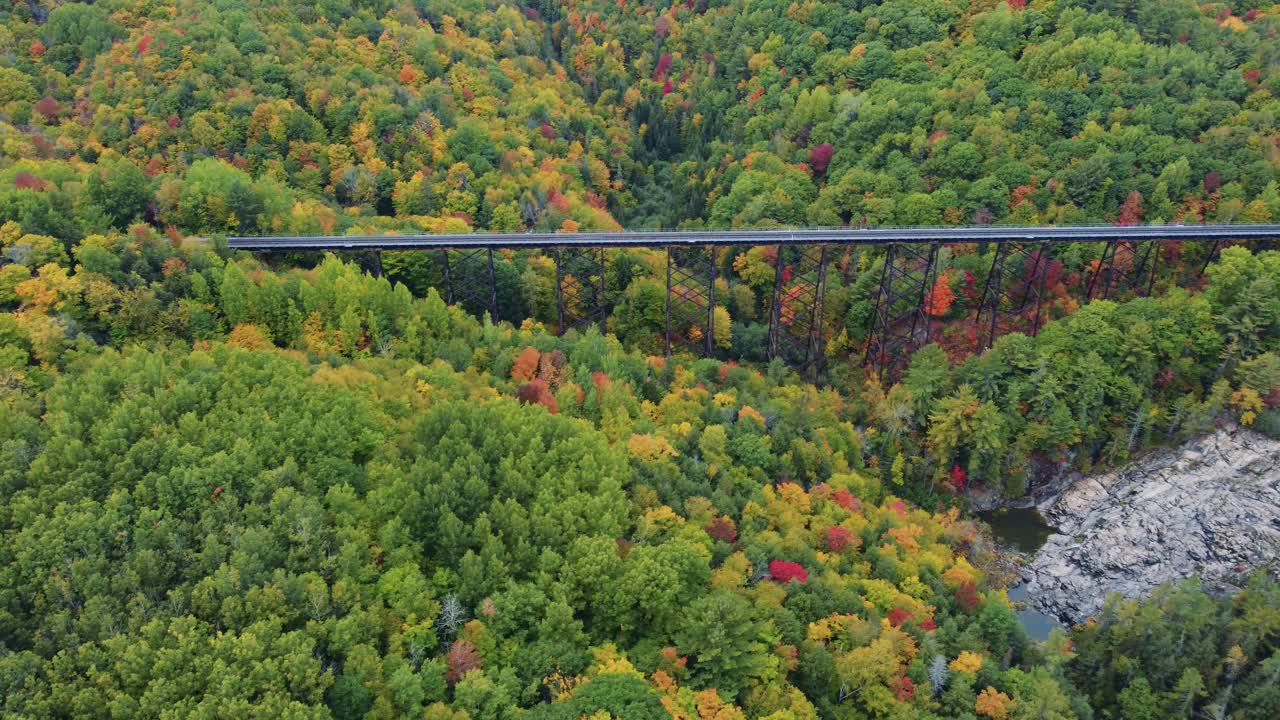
1012, 296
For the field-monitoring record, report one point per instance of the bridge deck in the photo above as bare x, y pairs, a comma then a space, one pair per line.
806, 236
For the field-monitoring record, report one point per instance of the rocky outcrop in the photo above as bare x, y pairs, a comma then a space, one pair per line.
1210, 508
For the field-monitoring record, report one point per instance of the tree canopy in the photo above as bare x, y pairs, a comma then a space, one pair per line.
244, 487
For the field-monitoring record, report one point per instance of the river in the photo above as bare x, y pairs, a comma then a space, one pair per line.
1025, 531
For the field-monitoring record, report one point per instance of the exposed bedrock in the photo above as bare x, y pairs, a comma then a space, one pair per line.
1210, 508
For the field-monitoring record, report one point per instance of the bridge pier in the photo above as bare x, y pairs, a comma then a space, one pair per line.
1000, 308
796, 313
691, 298
580, 287
469, 280
1214, 252
899, 323
1125, 265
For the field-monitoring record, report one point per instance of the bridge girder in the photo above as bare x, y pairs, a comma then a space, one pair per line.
801, 236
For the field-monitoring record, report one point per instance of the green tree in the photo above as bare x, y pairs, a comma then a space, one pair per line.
729, 646
122, 190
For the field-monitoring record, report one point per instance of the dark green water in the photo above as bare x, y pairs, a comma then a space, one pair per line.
1024, 530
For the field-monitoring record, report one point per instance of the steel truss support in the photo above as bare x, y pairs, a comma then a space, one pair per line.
1214, 252
899, 324
1220, 244
1014, 294
1126, 265
469, 280
691, 298
795, 317
580, 288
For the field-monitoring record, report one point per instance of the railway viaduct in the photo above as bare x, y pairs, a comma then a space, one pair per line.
1014, 287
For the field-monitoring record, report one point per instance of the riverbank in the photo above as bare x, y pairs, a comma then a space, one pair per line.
1210, 508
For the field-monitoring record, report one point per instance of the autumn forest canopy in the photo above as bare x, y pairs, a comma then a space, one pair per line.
287, 487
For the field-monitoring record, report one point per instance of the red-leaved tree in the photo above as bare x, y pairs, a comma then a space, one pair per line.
940, 297
536, 392
967, 597
820, 157
525, 366
846, 500
783, 571
1131, 210
723, 529
601, 382
46, 106
897, 616
1212, 181
664, 64
838, 538
26, 181
461, 659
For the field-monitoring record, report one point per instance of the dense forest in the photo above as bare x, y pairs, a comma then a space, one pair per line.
237, 489
243, 117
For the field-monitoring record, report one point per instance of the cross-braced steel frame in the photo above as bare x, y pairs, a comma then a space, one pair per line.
581, 299
795, 317
1013, 296
1126, 266
691, 298
899, 323
469, 280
